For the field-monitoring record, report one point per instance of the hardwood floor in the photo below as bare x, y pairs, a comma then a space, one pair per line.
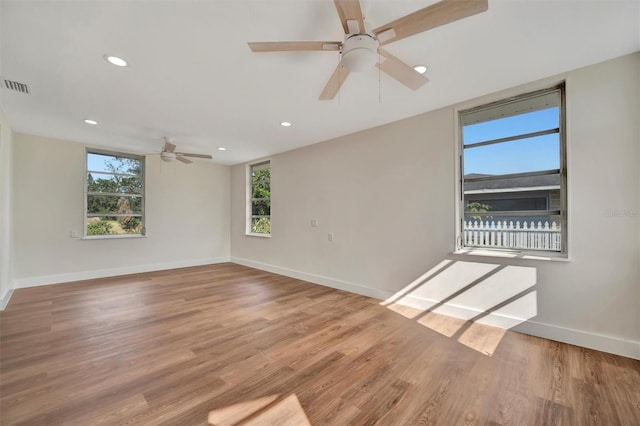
241, 346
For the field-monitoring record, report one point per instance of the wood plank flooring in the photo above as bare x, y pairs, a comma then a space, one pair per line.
240, 346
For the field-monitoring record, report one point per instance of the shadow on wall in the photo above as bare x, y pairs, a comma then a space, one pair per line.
473, 303
273, 409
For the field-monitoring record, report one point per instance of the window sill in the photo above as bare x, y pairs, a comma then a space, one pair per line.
513, 254
253, 234
112, 237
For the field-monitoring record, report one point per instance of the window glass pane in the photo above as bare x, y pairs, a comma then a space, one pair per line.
260, 166
499, 186
524, 155
261, 190
106, 225
113, 204
504, 204
261, 208
114, 174
483, 225
261, 225
98, 182
260, 175
511, 126
513, 232
260, 187
113, 164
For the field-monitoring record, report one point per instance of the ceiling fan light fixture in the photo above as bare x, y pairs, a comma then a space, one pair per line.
359, 52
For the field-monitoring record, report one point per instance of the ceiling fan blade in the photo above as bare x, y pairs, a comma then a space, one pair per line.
184, 160
334, 84
350, 10
294, 46
186, 154
401, 71
168, 146
433, 16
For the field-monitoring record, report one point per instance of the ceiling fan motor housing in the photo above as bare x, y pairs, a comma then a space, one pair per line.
167, 156
359, 52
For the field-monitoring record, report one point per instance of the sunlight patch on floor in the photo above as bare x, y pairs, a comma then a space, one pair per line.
404, 310
443, 324
270, 410
482, 338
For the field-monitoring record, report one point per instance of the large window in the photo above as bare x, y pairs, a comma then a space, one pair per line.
114, 202
259, 206
513, 174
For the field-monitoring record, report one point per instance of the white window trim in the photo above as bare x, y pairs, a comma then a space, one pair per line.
459, 248
85, 195
248, 199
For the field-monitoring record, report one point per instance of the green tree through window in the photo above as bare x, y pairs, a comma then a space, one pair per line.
260, 198
114, 194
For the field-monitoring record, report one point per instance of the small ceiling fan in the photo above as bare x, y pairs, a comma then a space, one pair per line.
169, 153
360, 47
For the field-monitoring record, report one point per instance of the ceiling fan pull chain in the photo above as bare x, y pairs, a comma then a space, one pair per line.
379, 79
339, 76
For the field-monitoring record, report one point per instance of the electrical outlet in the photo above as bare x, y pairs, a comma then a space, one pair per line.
314, 223
74, 234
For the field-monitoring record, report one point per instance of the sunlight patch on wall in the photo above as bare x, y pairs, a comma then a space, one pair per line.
497, 288
416, 284
440, 282
513, 313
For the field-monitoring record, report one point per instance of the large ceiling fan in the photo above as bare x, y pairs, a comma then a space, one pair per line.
169, 153
360, 47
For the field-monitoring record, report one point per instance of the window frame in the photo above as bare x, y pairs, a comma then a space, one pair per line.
142, 215
249, 200
459, 244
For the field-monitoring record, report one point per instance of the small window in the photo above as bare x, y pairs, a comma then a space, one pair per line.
259, 206
114, 202
513, 174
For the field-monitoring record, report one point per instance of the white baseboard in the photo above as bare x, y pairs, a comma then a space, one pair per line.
4, 300
316, 279
610, 344
112, 272
600, 342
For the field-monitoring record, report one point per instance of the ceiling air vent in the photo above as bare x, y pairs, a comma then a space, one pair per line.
14, 85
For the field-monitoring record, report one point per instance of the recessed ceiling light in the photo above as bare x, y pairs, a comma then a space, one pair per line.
420, 68
119, 62
89, 121
222, 148
285, 124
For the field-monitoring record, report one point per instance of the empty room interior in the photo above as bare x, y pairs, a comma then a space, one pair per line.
349, 212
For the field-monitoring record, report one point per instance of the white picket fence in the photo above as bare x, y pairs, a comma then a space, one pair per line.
516, 236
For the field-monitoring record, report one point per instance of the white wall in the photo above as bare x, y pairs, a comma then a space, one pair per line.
6, 274
387, 194
187, 216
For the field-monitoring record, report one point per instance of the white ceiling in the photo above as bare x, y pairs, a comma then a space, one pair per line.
193, 78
